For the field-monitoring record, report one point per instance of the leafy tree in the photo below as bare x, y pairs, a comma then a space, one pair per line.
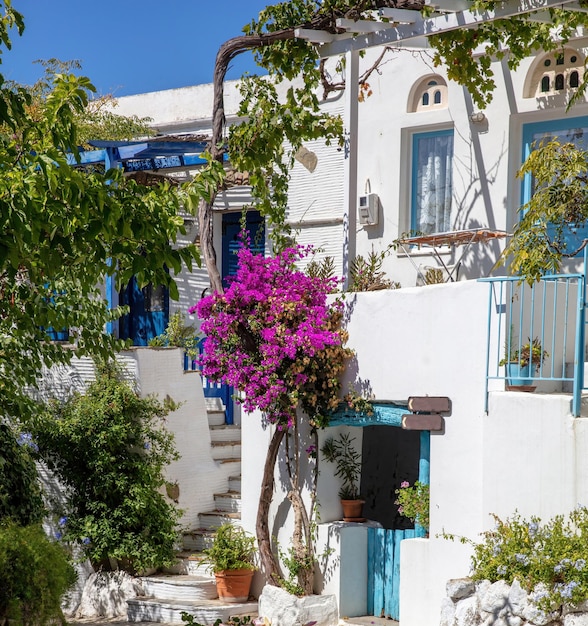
97, 120
546, 234
64, 230
109, 447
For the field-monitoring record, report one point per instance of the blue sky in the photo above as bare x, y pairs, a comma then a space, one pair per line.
130, 46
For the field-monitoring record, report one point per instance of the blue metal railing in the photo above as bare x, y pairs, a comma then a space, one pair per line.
212, 389
550, 312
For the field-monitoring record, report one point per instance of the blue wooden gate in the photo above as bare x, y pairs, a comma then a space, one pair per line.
384, 569
384, 548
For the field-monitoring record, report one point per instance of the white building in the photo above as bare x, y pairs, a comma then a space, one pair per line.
436, 164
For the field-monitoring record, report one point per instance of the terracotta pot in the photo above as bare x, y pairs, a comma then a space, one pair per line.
233, 585
352, 510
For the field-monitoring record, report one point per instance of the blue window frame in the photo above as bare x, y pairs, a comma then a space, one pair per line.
431, 185
567, 130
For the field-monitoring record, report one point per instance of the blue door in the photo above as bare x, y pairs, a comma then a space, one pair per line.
231, 230
255, 226
148, 315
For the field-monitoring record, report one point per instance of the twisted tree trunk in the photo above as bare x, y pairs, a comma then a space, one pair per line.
227, 52
269, 565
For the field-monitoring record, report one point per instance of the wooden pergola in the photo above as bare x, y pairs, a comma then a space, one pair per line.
410, 29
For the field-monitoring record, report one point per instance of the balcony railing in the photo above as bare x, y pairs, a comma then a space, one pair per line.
550, 312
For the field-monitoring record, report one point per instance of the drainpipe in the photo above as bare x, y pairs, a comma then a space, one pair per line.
350, 169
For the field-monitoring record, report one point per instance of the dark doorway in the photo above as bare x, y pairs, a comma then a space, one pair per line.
390, 456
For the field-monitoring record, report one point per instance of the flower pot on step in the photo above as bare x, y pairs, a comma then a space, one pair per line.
234, 585
352, 510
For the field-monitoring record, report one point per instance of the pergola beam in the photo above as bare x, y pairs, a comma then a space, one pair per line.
435, 25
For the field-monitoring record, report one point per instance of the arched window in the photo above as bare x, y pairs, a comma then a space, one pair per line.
552, 73
428, 94
574, 79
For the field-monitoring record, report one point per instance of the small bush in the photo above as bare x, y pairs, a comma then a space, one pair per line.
20, 492
553, 553
413, 502
35, 572
109, 448
180, 335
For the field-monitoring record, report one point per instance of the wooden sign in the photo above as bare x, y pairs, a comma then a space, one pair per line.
427, 421
429, 404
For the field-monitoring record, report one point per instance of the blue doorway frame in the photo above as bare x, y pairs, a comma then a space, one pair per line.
384, 545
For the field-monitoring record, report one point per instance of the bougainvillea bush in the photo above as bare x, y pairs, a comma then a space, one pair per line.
276, 337
273, 336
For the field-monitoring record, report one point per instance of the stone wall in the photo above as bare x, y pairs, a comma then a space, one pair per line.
483, 603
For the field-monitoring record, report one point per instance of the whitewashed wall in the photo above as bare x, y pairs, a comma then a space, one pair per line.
528, 453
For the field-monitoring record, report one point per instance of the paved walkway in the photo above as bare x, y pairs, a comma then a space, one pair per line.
369, 620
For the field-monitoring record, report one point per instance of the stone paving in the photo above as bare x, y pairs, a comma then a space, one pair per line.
368, 620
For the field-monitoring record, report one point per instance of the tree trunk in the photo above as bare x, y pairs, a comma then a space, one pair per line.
269, 564
227, 52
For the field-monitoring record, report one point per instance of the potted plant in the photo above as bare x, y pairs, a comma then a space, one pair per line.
521, 362
231, 559
348, 462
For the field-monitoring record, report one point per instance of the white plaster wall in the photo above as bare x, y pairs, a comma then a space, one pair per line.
408, 342
160, 372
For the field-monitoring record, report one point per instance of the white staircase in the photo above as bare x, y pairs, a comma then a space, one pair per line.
189, 587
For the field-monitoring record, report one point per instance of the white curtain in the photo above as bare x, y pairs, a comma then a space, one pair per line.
434, 156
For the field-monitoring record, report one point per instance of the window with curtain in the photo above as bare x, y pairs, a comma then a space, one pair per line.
432, 159
566, 130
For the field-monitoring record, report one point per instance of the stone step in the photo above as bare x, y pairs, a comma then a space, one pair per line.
169, 611
211, 520
215, 418
198, 540
180, 587
225, 432
214, 404
233, 466
190, 563
226, 450
235, 483
229, 501
215, 411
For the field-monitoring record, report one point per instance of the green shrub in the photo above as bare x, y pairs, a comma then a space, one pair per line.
35, 572
553, 553
413, 502
20, 492
109, 448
